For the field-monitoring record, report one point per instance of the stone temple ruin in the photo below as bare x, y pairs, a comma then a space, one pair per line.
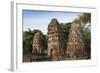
55, 45
75, 45
37, 43
55, 40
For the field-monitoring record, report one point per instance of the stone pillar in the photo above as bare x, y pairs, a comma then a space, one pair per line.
37, 43
55, 41
75, 45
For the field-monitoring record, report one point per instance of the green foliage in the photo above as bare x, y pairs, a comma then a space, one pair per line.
66, 30
86, 30
85, 18
87, 40
44, 42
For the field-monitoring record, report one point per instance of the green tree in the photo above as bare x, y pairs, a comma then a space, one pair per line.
44, 43
66, 30
85, 19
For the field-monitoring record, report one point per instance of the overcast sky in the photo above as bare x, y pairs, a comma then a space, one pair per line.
40, 19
